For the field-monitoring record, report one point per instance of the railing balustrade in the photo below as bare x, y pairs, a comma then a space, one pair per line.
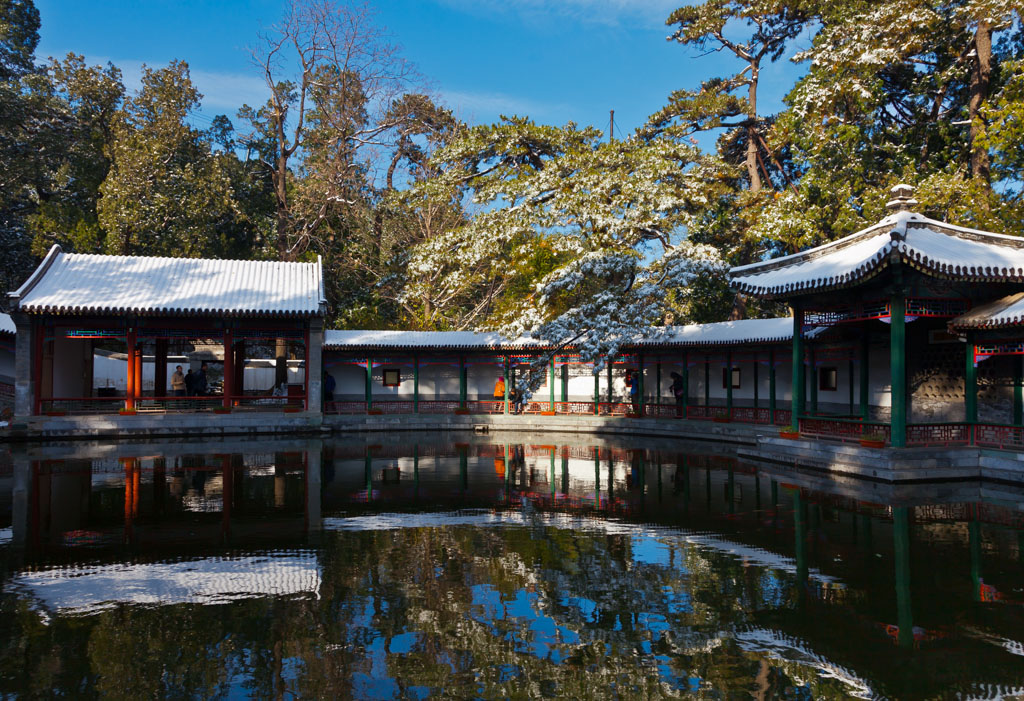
939, 434
998, 436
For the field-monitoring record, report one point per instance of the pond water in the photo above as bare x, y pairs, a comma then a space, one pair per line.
507, 566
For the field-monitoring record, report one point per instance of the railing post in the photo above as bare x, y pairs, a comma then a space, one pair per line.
797, 383
898, 370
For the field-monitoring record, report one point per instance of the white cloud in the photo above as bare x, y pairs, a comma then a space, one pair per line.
223, 92
486, 106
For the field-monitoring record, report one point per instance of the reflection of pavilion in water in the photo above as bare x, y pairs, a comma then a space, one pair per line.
864, 572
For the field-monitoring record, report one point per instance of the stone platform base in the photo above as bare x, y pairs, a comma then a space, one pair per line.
888, 465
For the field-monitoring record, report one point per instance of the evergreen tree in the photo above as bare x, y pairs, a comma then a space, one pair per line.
166, 192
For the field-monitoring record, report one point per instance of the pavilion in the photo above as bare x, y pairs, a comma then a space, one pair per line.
866, 289
141, 311
456, 372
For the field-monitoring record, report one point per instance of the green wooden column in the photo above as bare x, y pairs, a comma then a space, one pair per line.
797, 405
813, 379
1018, 390
728, 382
707, 380
640, 385
611, 396
865, 370
657, 383
686, 382
901, 548
898, 370
462, 381
551, 382
508, 380
756, 382
597, 391
565, 381
771, 386
369, 382
970, 382
416, 383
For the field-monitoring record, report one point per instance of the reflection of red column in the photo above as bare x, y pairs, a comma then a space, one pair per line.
131, 496
229, 368
129, 394
227, 492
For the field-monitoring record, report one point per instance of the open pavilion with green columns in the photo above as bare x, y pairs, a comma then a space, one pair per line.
893, 296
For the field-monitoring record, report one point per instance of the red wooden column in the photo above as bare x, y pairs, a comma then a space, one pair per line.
229, 368
138, 370
129, 394
239, 375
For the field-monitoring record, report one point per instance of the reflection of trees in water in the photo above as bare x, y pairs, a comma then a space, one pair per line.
491, 612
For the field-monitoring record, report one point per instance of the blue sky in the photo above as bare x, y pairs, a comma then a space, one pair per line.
554, 60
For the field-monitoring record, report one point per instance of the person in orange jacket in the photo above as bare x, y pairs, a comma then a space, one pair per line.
499, 392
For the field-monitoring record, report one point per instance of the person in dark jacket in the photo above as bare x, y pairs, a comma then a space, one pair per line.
201, 383
678, 388
190, 383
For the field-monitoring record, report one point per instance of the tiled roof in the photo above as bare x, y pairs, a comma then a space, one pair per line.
934, 247
72, 283
721, 333
1008, 311
727, 333
424, 339
7, 324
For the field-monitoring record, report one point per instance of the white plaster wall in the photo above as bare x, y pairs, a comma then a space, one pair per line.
480, 380
350, 382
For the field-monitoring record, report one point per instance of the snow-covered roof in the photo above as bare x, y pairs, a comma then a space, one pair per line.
74, 283
7, 324
424, 339
776, 330
1007, 311
720, 333
934, 247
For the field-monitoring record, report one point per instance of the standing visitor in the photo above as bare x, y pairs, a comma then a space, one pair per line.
177, 382
634, 389
202, 383
190, 383
329, 385
678, 390
499, 393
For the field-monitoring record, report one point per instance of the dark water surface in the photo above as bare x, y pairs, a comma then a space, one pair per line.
495, 569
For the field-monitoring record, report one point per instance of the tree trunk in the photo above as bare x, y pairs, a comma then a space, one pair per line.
752, 136
281, 203
981, 72
281, 362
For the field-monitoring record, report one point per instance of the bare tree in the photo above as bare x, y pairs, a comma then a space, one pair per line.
333, 74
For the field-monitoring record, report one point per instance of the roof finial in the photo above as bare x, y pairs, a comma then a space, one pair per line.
902, 198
